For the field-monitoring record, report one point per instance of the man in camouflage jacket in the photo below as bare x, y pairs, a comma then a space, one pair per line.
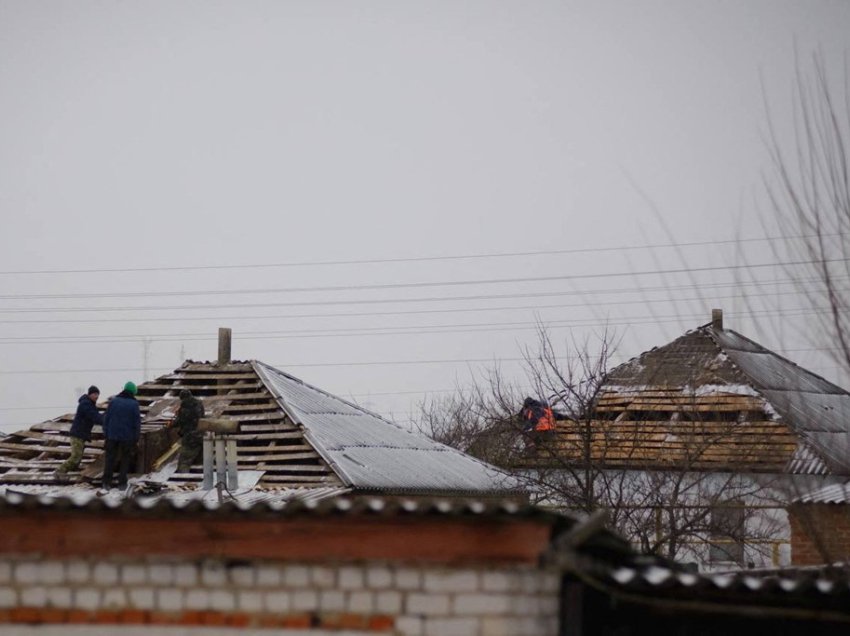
190, 412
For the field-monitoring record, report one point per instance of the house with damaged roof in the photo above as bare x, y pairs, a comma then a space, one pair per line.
325, 533
290, 439
701, 444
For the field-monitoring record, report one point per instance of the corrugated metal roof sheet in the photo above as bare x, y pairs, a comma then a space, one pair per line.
370, 452
834, 494
82, 496
806, 462
817, 410
280, 502
824, 581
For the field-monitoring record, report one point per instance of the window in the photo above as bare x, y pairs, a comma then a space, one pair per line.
726, 530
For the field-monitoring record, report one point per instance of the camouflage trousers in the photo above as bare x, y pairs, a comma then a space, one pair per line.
191, 447
73, 462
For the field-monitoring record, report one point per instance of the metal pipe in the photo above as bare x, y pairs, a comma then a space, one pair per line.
232, 468
220, 467
208, 462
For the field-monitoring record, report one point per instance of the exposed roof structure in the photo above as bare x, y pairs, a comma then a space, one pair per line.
292, 436
720, 401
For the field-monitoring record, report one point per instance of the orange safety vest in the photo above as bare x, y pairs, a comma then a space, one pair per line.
546, 421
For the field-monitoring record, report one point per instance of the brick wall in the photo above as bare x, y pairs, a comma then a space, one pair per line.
820, 533
413, 600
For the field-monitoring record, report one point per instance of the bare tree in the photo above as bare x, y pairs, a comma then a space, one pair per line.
664, 496
808, 190
808, 193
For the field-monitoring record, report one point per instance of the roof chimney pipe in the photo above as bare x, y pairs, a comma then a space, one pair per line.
717, 319
224, 334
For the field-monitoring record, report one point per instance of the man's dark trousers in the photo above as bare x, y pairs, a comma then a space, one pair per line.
122, 452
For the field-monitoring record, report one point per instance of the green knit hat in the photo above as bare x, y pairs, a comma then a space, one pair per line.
131, 388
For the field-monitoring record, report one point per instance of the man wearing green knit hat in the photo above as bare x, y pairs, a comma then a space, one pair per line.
122, 425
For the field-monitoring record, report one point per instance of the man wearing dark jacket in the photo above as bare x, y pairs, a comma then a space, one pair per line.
85, 418
122, 426
191, 411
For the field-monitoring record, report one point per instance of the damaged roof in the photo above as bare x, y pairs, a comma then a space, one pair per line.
803, 420
292, 437
370, 452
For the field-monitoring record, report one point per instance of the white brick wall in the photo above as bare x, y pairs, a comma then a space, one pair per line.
223, 600
422, 600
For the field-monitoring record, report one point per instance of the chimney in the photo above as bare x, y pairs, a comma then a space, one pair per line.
224, 334
717, 319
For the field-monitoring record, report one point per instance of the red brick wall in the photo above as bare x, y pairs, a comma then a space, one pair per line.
820, 533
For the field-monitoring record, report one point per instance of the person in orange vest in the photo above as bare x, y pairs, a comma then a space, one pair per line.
539, 420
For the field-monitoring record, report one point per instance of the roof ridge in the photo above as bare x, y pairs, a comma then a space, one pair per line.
778, 355
328, 394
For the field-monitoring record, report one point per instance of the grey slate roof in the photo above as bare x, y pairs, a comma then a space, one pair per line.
370, 453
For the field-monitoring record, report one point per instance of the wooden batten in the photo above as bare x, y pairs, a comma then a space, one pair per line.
218, 425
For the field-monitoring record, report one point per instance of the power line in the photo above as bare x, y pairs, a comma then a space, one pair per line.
416, 330
410, 312
417, 285
414, 259
379, 363
425, 299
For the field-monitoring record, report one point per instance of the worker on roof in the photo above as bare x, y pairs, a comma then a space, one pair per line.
85, 418
122, 426
188, 415
539, 420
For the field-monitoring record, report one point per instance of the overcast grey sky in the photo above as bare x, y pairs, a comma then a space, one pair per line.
168, 135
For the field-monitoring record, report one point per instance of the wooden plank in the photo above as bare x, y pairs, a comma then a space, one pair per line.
641, 404
266, 418
242, 408
277, 448
307, 468
163, 459
66, 449
61, 438
298, 479
285, 430
248, 436
59, 427
257, 459
197, 387
206, 376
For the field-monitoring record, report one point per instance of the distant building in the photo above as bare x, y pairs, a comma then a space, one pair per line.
739, 430
340, 523
293, 440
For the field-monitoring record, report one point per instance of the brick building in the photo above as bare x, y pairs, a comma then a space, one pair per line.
820, 526
399, 566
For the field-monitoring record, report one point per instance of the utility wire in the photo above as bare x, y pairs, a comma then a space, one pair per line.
382, 363
797, 292
426, 299
419, 285
414, 259
414, 330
